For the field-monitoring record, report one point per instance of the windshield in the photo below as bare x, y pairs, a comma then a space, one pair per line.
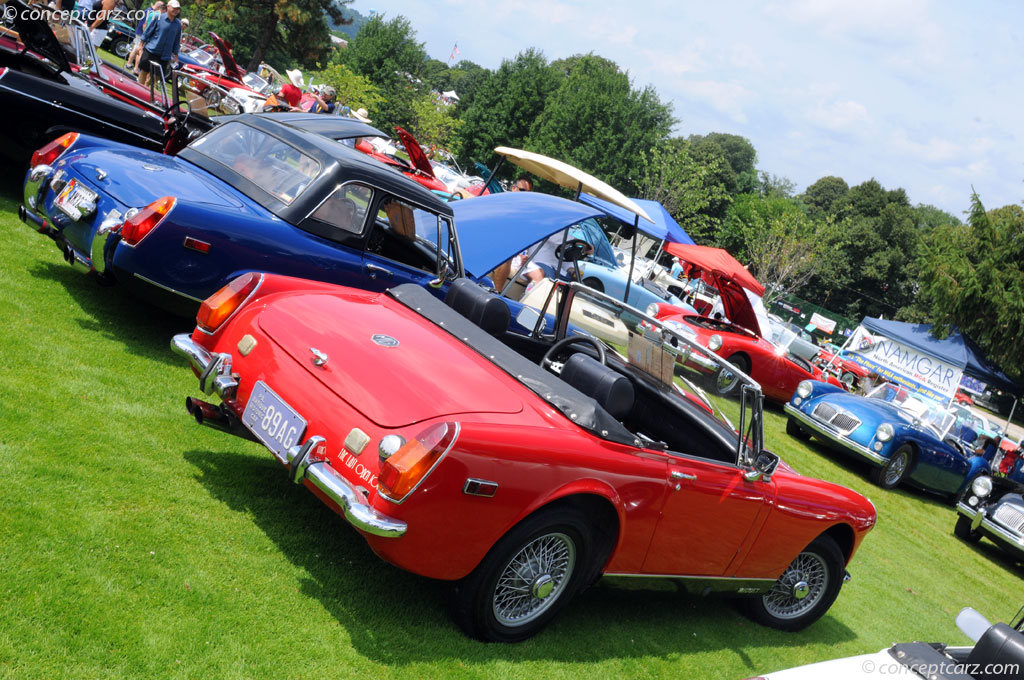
925, 411
277, 168
255, 82
690, 401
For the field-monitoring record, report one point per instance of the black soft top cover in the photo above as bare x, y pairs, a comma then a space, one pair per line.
573, 404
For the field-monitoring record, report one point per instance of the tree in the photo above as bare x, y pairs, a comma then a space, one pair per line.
288, 31
436, 124
824, 195
783, 247
776, 186
687, 188
596, 121
739, 154
972, 277
386, 54
505, 106
353, 90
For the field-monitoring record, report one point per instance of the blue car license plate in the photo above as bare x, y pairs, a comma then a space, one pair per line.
274, 422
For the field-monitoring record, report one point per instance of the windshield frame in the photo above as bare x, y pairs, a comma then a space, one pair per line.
749, 430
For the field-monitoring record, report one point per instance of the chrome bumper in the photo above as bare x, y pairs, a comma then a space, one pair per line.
32, 214
215, 376
996, 532
822, 430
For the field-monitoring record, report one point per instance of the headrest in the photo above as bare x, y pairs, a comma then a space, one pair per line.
613, 391
1001, 647
487, 311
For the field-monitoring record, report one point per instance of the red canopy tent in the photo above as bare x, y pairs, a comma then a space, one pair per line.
724, 272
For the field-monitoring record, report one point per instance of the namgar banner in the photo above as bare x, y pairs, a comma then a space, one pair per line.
903, 365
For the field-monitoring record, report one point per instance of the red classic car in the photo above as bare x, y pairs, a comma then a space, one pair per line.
417, 168
521, 467
745, 337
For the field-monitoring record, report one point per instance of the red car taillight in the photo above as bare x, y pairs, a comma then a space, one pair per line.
401, 473
52, 151
216, 309
136, 227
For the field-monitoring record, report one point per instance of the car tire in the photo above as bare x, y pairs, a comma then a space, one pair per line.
594, 283
723, 381
964, 532
121, 47
896, 468
793, 429
804, 591
526, 578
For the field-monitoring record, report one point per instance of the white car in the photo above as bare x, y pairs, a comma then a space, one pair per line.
998, 654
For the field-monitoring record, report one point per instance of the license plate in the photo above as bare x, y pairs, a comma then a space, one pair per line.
75, 200
274, 422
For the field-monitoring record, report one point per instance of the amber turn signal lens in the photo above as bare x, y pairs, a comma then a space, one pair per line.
401, 473
216, 309
138, 226
49, 153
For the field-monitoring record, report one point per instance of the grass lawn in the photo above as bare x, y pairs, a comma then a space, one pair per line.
137, 544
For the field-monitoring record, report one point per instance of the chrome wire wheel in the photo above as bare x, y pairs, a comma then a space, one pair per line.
725, 380
896, 467
534, 579
800, 587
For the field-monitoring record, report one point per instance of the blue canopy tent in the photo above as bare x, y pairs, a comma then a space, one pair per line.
664, 226
955, 349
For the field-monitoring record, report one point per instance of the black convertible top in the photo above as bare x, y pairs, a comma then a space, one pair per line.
573, 404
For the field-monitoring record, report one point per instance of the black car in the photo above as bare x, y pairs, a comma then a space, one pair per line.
42, 96
993, 507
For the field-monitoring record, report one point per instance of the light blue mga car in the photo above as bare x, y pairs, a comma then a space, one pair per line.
904, 436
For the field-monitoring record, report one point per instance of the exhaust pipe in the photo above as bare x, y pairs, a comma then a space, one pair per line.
217, 417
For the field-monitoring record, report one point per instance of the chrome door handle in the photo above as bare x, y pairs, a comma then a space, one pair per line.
676, 474
376, 269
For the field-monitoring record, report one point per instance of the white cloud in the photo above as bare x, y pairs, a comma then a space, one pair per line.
727, 98
848, 117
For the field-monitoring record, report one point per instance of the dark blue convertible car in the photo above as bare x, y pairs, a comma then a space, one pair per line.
276, 193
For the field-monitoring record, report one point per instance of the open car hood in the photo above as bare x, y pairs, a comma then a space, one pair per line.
497, 227
231, 69
415, 153
37, 35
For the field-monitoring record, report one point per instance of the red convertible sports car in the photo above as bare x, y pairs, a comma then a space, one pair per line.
763, 353
521, 467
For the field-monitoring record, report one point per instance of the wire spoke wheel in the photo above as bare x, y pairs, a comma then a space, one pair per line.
895, 469
534, 579
800, 587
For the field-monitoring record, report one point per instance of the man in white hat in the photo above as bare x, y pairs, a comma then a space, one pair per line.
161, 41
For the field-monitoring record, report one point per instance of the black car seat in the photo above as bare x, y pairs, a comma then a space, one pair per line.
613, 391
486, 310
999, 654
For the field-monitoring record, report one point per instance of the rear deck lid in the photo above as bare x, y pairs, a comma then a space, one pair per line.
393, 366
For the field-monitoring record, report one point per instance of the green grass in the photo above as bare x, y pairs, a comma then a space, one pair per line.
137, 544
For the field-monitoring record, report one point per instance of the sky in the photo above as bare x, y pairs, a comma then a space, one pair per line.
923, 95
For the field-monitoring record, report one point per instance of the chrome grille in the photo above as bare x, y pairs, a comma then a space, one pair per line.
1010, 517
841, 420
825, 412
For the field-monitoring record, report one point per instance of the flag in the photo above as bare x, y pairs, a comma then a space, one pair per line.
455, 50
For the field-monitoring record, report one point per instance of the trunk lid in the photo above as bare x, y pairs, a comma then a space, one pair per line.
391, 365
136, 178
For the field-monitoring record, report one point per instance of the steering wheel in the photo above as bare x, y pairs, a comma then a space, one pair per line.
572, 250
556, 349
171, 113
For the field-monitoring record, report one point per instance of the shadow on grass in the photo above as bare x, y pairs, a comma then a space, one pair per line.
142, 329
397, 618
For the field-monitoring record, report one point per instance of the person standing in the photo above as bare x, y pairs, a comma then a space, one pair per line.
161, 41
150, 15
